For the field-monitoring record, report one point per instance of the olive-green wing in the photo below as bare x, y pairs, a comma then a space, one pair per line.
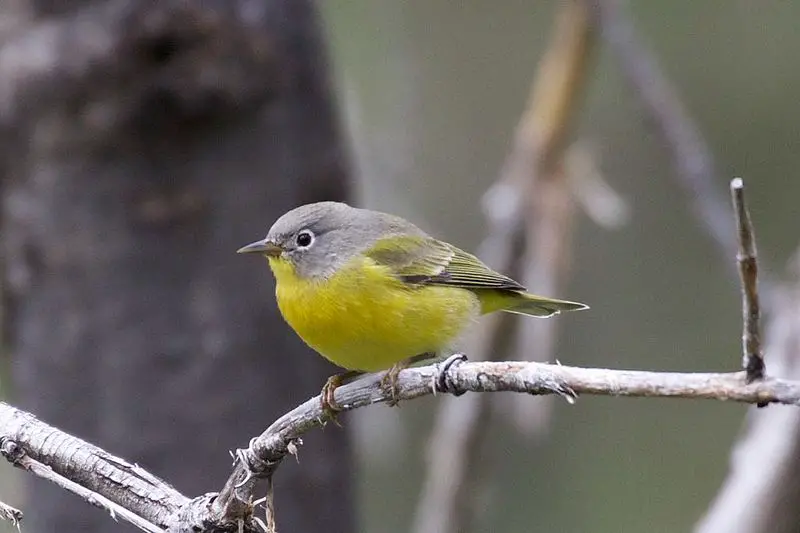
424, 260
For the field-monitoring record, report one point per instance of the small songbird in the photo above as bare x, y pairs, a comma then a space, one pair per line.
370, 291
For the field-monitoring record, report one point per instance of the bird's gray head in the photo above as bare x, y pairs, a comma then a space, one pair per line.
319, 238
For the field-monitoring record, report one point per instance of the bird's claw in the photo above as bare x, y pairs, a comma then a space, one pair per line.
389, 384
327, 402
442, 380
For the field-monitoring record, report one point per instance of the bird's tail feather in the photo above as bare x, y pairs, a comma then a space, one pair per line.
540, 306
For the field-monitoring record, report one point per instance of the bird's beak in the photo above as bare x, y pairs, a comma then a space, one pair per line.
265, 247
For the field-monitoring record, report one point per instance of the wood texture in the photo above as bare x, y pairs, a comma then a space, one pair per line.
142, 143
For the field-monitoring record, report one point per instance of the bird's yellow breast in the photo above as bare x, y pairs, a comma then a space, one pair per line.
363, 318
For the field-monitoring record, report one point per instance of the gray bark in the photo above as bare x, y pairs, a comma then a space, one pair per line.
143, 142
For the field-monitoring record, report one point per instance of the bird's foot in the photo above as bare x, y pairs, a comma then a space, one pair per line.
442, 382
389, 382
327, 400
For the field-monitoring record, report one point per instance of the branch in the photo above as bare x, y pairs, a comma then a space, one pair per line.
97, 476
265, 452
17, 456
131, 487
752, 359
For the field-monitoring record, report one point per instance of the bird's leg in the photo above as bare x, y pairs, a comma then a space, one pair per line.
389, 380
327, 401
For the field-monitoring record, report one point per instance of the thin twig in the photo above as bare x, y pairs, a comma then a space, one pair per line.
746, 258
547, 263
17, 456
10, 514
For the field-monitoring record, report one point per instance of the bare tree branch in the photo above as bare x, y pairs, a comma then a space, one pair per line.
44, 450
133, 488
266, 451
746, 258
17, 456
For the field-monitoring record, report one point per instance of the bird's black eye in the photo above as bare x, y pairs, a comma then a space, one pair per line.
304, 238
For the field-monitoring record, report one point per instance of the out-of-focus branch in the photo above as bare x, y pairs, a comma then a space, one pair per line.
509, 206
692, 157
746, 259
592, 192
546, 263
761, 492
543, 131
537, 166
446, 499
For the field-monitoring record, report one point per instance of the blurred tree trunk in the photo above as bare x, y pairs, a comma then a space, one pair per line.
143, 142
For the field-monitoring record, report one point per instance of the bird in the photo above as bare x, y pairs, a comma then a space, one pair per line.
370, 291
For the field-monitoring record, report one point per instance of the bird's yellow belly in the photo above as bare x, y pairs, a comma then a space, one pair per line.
362, 318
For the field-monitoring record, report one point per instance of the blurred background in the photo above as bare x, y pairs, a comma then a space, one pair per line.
429, 95
432, 96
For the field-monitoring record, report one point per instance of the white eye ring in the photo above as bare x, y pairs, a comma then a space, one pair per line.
304, 239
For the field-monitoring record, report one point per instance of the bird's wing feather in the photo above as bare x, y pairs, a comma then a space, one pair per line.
422, 260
